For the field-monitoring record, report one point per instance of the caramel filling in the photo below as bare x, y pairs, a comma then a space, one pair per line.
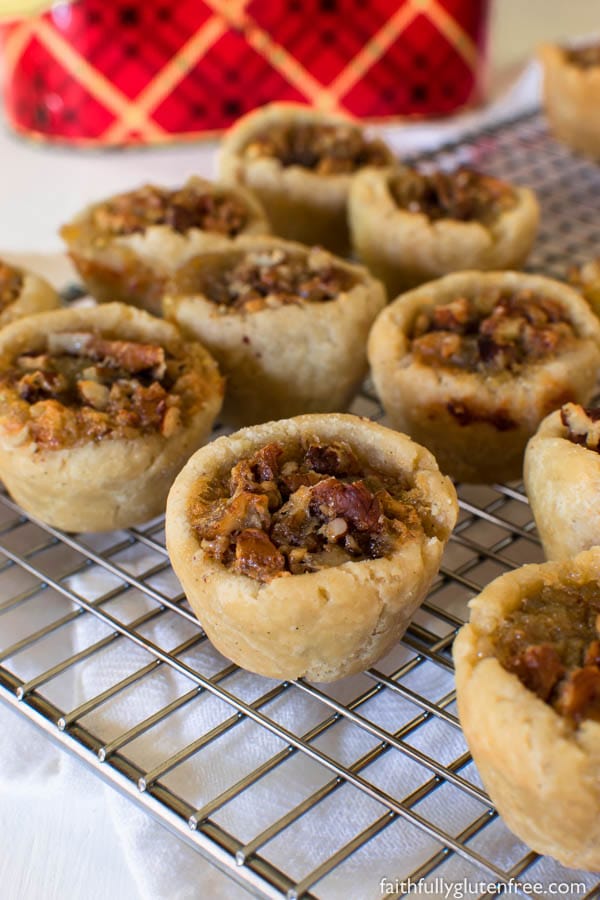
582, 424
11, 284
324, 149
463, 195
552, 643
283, 512
83, 387
518, 328
584, 57
182, 210
268, 279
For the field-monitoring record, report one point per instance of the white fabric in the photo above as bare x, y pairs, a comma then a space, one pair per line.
64, 833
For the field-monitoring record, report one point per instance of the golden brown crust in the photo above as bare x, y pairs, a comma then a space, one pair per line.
132, 267
34, 295
540, 772
103, 484
562, 480
406, 248
326, 624
299, 358
571, 96
478, 425
301, 205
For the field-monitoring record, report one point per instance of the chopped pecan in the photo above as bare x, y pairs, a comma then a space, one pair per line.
353, 502
337, 458
580, 694
94, 393
540, 669
38, 385
257, 556
463, 195
582, 424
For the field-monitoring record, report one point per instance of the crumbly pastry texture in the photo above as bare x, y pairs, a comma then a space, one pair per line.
562, 480
99, 409
287, 324
470, 364
540, 766
409, 227
23, 293
125, 247
324, 583
571, 95
300, 163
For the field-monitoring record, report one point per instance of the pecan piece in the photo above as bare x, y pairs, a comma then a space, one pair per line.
580, 694
256, 555
353, 502
336, 458
539, 667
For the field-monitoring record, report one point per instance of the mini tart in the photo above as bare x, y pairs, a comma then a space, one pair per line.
125, 246
251, 507
23, 293
99, 409
562, 479
529, 703
300, 163
571, 95
288, 325
408, 227
470, 364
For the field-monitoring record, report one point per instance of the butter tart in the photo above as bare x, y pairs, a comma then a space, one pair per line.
528, 692
99, 409
305, 546
571, 95
287, 324
562, 479
409, 227
470, 364
125, 247
23, 293
300, 163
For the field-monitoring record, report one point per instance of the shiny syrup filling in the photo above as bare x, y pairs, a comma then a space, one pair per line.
286, 513
582, 424
584, 57
83, 387
463, 195
11, 284
521, 327
552, 644
268, 279
182, 209
324, 149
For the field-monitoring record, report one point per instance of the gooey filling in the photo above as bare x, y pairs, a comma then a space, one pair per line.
11, 284
463, 195
324, 149
182, 209
268, 279
283, 512
84, 387
519, 327
552, 643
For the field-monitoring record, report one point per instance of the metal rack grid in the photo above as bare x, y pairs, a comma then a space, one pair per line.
327, 788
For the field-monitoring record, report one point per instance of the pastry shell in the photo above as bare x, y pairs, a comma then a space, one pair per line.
112, 482
571, 97
540, 772
301, 205
504, 410
405, 248
562, 480
133, 268
321, 625
36, 295
298, 358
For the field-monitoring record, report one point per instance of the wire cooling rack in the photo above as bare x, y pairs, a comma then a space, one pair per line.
295, 790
